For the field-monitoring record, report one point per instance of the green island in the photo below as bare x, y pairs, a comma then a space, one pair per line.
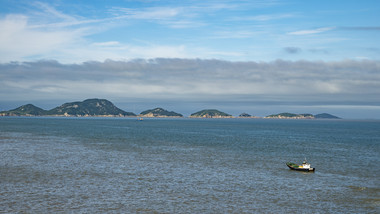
287, 115
246, 115
25, 110
210, 113
159, 112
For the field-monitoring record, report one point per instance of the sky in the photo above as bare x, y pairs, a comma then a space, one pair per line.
254, 56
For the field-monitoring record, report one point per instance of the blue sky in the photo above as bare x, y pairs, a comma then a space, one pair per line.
76, 31
317, 39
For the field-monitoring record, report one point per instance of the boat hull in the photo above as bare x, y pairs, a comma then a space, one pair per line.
300, 169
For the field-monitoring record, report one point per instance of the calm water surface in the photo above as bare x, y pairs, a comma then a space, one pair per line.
117, 165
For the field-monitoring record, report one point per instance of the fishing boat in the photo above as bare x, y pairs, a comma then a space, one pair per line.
305, 167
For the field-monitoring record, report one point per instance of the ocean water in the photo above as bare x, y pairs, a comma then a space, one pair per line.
119, 165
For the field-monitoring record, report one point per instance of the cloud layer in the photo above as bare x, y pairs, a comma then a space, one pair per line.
194, 79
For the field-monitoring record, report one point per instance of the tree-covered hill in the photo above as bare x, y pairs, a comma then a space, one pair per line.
89, 107
302, 116
210, 113
159, 112
25, 110
326, 116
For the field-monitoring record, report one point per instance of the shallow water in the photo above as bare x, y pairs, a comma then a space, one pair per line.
113, 165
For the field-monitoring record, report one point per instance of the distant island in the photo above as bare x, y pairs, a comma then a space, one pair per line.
25, 110
210, 113
246, 115
159, 112
291, 116
302, 116
326, 116
104, 108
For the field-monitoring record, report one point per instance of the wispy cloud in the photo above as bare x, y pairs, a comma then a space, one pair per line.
237, 34
265, 17
107, 44
47, 16
52, 12
151, 13
170, 16
61, 36
314, 31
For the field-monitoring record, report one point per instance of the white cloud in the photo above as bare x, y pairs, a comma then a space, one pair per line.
18, 41
172, 17
107, 44
315, 31
152, 13
266, 17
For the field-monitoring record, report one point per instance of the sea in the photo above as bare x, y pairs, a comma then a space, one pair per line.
183, 165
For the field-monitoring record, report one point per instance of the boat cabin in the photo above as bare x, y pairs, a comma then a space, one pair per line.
305, 165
